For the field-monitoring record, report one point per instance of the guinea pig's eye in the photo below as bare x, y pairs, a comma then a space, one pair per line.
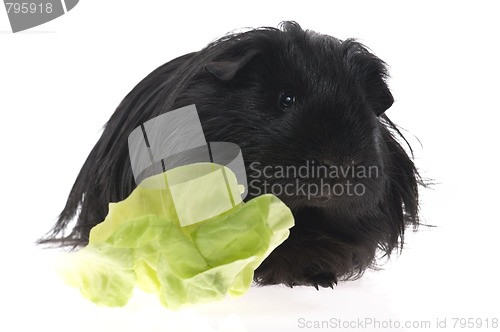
286, 100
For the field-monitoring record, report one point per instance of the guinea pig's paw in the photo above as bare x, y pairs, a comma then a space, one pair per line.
324, 280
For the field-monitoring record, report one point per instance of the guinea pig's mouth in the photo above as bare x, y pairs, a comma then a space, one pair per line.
317, 200
311, 199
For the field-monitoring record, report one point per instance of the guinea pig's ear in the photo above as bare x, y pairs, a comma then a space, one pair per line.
226, 70
382, 98
372, 74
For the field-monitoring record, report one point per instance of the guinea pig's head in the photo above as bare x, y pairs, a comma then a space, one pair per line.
307, 111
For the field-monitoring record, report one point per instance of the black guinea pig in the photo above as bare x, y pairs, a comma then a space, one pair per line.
307, 111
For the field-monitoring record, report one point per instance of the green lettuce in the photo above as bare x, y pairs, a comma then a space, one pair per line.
142, 242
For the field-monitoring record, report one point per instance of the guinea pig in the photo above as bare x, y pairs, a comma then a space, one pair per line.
307, 111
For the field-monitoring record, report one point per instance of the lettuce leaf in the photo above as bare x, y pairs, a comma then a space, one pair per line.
143, 243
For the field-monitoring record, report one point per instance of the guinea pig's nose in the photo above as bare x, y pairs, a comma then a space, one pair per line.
327, 162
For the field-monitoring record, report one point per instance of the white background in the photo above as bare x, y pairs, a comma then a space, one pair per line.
60, 82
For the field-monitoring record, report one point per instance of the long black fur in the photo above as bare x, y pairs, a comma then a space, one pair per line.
338, 118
